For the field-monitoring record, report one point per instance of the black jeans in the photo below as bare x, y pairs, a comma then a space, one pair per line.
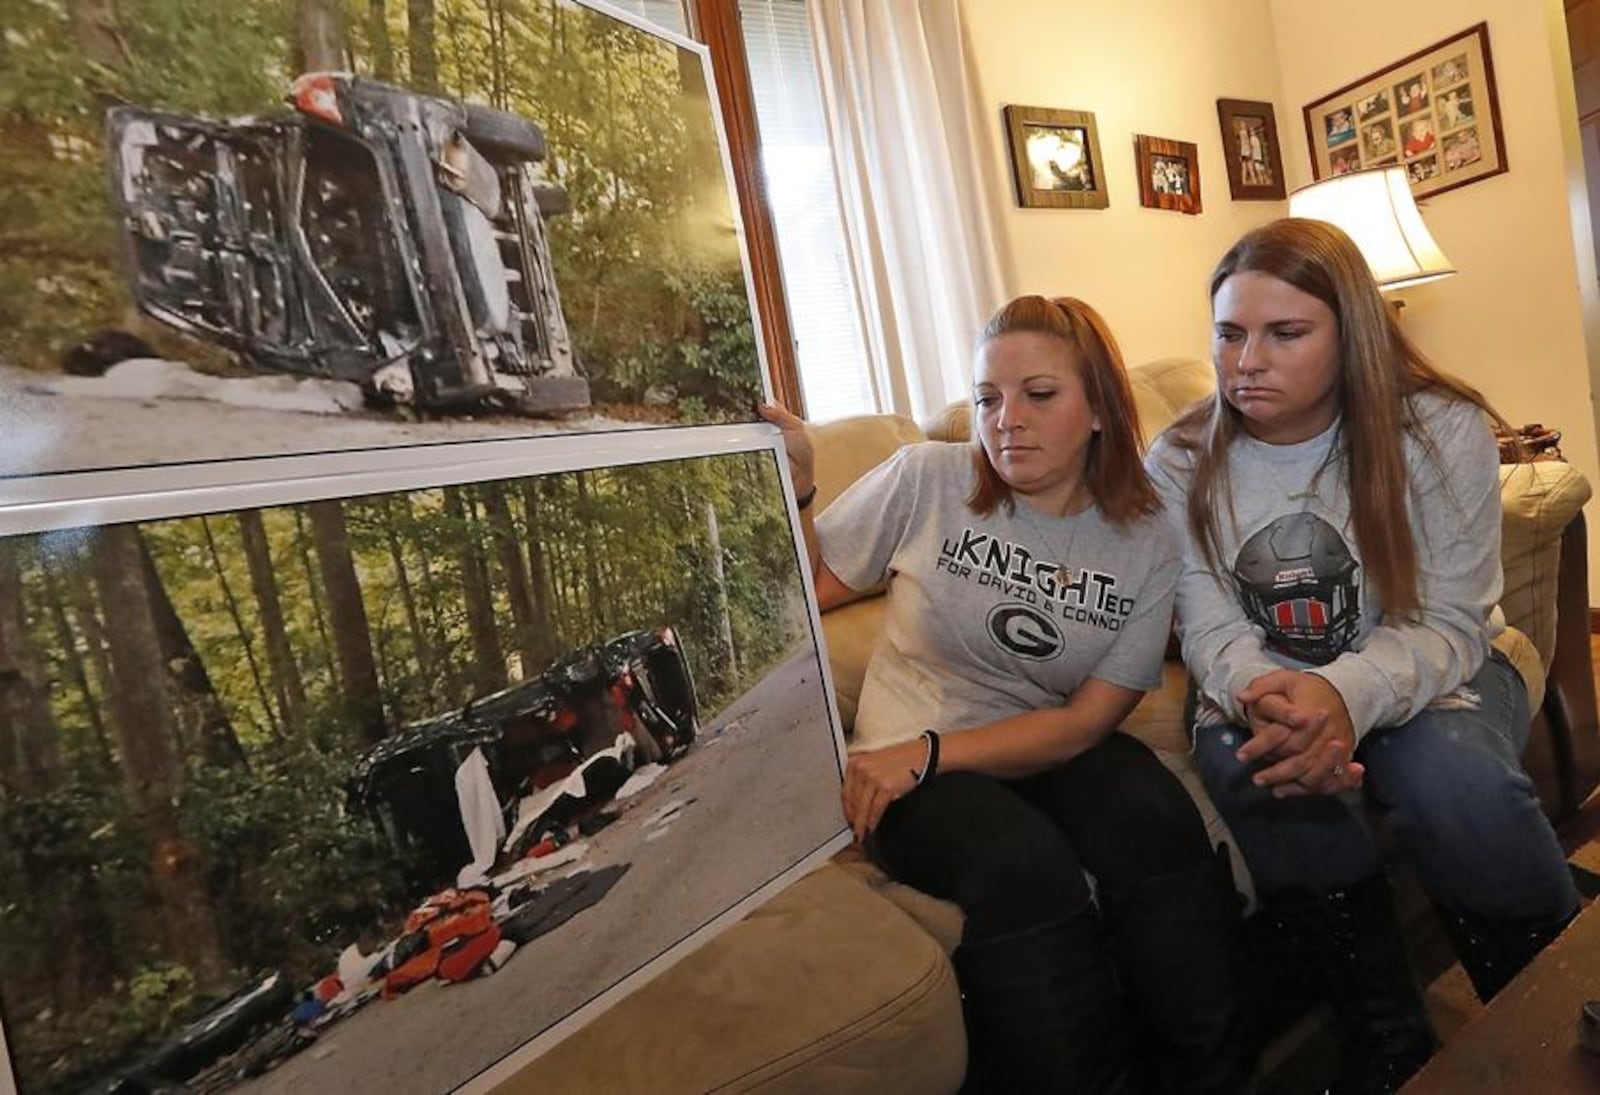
1012, 853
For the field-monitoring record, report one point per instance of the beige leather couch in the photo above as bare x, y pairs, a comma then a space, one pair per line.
842, 983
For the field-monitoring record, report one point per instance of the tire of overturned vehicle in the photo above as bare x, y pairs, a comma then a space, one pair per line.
502, 131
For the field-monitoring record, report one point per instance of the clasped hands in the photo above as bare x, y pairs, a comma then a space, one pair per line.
1300, 734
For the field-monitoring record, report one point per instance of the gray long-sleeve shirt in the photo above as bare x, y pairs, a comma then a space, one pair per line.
1292, 591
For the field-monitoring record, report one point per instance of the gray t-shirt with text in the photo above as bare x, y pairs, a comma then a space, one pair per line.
993, 616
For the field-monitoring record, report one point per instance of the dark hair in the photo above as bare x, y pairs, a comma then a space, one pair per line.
1380, 370
1114, 471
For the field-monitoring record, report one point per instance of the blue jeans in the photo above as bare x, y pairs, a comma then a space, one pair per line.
1449, 783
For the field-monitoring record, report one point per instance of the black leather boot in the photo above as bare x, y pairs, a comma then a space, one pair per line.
1174, 941
1494, 948
1351, 943
1042, 1011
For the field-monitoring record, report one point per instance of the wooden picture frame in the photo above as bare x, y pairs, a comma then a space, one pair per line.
1055, 158
1251, 150
1435, 113
1169, 174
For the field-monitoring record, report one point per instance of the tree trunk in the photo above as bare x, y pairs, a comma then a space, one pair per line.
352, 638
591, 570
83, 965
319, 614
287, 687
511, 565
488, 660
98, 35
719, 589
539, 573
495, 16
76, 668
320, 35
378, 33
453, 677
86, 623
421, 642
142, 713
272, 711
422, 45
28, 733
200, 712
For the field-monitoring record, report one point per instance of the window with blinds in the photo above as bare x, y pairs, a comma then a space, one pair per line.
797, 165
667, 14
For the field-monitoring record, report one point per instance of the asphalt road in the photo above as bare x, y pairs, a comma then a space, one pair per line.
54, 423
757, 792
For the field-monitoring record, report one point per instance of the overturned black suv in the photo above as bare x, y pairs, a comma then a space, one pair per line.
373, 235
533, 734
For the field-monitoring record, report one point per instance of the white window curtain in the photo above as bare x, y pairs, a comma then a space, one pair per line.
918, 208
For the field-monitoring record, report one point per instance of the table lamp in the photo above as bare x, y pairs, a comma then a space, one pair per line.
1376, 210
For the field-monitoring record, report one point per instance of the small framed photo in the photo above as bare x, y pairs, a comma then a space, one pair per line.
1251, 150
1169, 174
1055, 158
1434, 112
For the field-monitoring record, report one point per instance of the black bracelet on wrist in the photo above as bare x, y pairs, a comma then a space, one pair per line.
805, 500
930, 765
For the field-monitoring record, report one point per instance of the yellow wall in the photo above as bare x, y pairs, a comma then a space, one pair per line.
1154, 67
1513, 321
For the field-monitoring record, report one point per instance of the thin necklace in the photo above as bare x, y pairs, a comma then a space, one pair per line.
1312, 487
1063, 571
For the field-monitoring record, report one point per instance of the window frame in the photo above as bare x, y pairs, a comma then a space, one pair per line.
717, 25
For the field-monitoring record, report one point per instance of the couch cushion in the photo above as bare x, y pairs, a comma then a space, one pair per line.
954, 423
827, 987
1524, 658
939, 918
1164, 388
850, 447
851, 631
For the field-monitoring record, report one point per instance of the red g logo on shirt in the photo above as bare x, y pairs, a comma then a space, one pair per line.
1025, 632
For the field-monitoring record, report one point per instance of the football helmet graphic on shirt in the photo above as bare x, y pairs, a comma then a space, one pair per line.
1299, 583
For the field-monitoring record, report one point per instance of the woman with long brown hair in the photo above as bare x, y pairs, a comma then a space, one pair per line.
1030, 584
1339, 505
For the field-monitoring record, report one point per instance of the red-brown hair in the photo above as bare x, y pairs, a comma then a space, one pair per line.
1113, 471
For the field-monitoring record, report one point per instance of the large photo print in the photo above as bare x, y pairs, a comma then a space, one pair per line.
369, 792
312, 227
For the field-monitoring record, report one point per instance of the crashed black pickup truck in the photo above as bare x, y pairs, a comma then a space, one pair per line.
532, 736
372, 234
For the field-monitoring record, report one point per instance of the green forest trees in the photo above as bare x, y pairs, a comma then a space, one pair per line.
648, 259
181, 702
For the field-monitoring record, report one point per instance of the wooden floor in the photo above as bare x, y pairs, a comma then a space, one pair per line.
1306, 1061
1585, 828
1450, 998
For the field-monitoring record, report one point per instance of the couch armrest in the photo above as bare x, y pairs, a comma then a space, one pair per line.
1568, 715
827, 987
1537, 501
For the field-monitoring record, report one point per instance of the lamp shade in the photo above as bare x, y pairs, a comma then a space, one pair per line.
1376, 210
